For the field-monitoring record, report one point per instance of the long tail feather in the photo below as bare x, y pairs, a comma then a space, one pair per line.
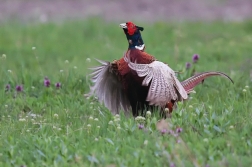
193, 81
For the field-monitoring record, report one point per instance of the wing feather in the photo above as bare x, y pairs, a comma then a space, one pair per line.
164, 86
108, 89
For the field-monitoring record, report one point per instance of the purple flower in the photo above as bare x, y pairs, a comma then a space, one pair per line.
195, 58
170, 132
163, 131
188, 65
179, 130
58, 85
47, 82
19, 88
7, 87
140, 126
175, 135
172, 165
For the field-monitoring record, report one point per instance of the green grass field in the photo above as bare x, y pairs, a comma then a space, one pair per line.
46, 126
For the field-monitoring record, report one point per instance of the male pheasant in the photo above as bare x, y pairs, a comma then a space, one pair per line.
139, 82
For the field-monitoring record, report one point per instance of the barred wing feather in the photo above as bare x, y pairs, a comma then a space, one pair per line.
108, 89
164, 86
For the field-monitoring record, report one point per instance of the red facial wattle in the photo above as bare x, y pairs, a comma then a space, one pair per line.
131, 28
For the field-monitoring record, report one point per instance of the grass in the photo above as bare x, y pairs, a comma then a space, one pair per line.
46, 126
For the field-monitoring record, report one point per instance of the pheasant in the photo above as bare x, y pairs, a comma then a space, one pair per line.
138, 81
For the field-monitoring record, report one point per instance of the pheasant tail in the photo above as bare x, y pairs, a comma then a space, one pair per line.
193, 81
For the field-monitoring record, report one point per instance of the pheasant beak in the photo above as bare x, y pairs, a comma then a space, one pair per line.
123, 25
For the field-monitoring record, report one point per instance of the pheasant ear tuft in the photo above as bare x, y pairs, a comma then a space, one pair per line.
140, 28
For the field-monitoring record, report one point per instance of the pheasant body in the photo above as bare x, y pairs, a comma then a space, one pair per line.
139, 82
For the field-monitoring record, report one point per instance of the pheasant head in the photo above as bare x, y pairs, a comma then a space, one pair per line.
133, 35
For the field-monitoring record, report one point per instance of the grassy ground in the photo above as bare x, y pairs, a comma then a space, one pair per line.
46, 126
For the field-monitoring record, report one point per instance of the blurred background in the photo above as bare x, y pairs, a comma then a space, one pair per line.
118, 10
220, 31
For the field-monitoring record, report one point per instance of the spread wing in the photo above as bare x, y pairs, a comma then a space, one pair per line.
108, 89
164, 86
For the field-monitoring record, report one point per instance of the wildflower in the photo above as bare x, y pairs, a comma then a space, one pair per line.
205, 140
163, 131
244, 90
33, 48
190, 106
58, 85
33, 87
118, 127
47, 82
246, 86
117, 119
148, 114
193, 91
140, 126
19, 88
178, 141
75, 67
140, 119
6, 106
166, 110
110, 123
96, 119
91, 118
195, 58
172, 164
188, 65
89, 125
22, 119
117, 116
175, 135
66, 61
145, 142
56, 115
7, 87
3, 56
179, 130
170, 132
61, 70
98, 127
96, 139
231, 127
88, 60
59, 129
9, 71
